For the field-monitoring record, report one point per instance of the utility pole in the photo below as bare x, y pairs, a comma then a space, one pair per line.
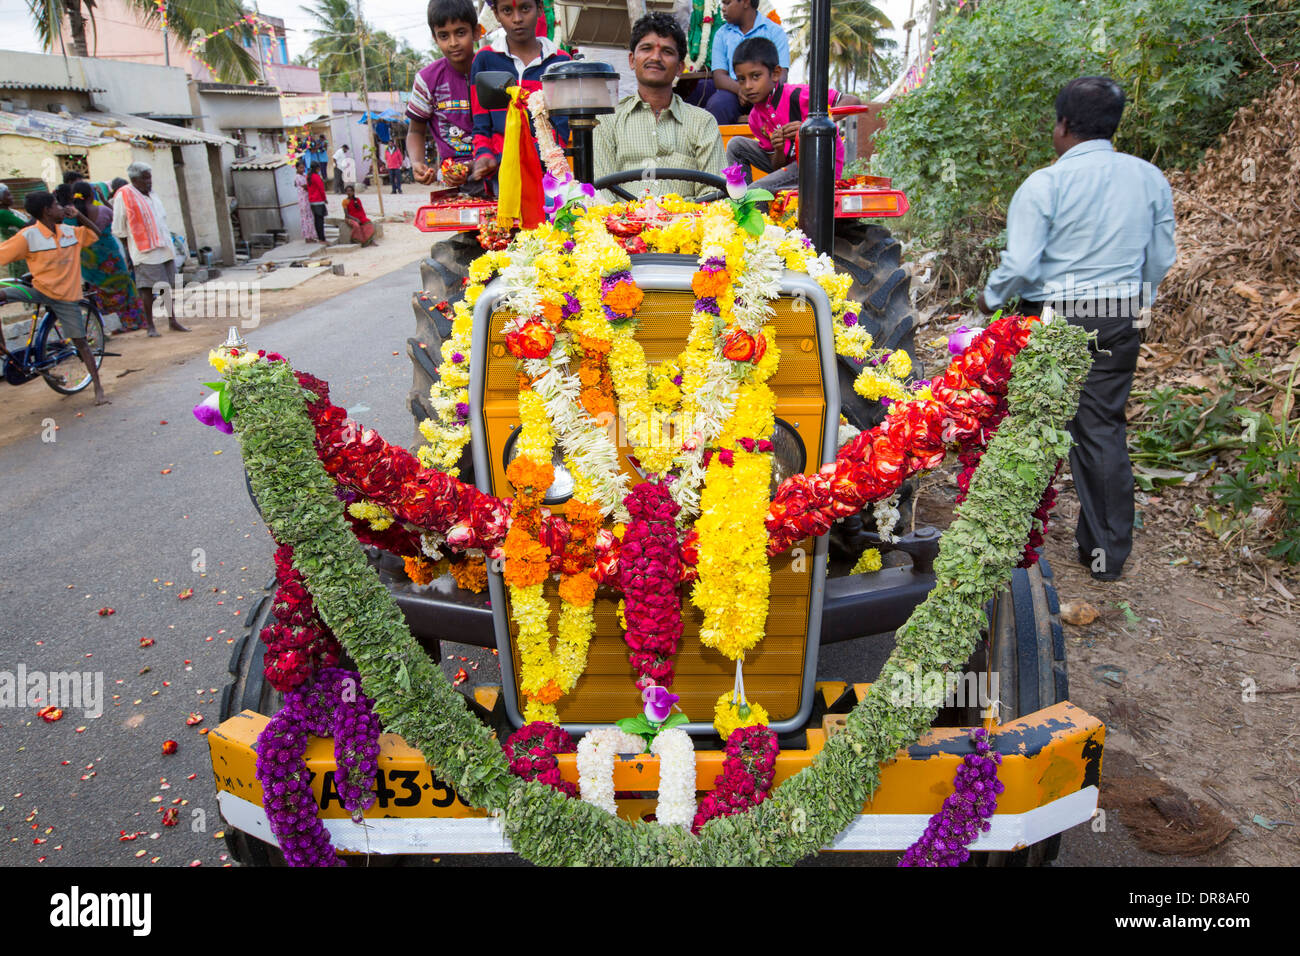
370, 117
257, 38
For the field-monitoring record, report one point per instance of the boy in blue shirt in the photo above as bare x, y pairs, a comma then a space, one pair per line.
721, 95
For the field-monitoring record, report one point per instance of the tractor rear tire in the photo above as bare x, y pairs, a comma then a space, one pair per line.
442, 276
1028, 647
873, 257
250, 690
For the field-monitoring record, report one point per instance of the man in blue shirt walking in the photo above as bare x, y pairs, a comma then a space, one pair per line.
1092, 236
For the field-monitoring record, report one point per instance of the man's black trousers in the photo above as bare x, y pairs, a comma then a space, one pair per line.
1099, 462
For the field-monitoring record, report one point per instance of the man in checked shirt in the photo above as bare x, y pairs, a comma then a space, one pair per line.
656, 128
1092, 236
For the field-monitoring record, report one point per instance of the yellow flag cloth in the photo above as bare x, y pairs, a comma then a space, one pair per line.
509, 183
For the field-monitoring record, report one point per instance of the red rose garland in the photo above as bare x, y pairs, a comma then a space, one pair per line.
531, 751
746, 778
913, 438
299, 643
650, 570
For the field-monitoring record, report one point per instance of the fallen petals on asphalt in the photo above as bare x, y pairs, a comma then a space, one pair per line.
146, 642
106, 612
170, 747
461, 677
50, 714
193, 719
171, 817
185, 595
165, 471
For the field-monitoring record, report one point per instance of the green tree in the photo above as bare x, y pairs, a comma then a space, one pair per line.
335, 50
225, 52
857, 50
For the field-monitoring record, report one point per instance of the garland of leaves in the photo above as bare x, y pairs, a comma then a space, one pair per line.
415, 700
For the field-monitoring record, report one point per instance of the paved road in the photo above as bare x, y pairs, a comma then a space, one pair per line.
91, 521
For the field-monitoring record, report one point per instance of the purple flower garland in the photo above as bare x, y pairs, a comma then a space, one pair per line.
330, 706
965, 812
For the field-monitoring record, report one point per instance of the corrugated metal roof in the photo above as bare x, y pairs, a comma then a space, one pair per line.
237, 89
96, 129
261, 162
62, 87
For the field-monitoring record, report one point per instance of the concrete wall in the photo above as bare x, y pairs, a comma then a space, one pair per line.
293, 79
226, 111
198, 188
138, 88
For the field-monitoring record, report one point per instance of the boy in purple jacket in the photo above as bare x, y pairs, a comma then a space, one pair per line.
440, 104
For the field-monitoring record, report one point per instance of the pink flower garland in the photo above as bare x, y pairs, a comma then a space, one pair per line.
650, 569
746, 777
531, 751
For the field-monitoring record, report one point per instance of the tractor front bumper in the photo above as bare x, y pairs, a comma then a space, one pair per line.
1051, 767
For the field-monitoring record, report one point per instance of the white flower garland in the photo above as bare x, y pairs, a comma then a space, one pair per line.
676, 807
887, 516
676, 753
596, 752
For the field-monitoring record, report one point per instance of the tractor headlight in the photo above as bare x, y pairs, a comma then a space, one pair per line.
788, 454
561, 489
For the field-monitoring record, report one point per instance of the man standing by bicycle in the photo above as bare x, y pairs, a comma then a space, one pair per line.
53, 253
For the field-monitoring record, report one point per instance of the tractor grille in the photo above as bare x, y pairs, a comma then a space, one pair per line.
774, 671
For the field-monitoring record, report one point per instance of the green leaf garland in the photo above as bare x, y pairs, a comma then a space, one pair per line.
414, 698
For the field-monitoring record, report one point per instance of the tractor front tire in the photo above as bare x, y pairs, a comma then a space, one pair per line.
873, 258
442, 279
1028, 647
250, 690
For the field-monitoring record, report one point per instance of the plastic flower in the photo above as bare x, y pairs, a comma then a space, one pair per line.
208, 412
736, 185
659, 703
960, 340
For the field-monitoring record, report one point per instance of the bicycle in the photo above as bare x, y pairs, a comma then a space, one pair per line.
48, 352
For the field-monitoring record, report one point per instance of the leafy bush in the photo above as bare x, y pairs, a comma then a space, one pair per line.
963, 142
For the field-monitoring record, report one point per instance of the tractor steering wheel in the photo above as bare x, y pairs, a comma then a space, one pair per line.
611, 181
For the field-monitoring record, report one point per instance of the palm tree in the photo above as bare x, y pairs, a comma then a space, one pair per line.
225, 52
856, 47
335, 50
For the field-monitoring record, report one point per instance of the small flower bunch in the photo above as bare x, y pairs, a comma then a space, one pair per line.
331, 706
298, 642
650, 569
746, 778
531, 751
965, 812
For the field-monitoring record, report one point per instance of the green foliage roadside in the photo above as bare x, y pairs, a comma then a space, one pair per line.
961, 143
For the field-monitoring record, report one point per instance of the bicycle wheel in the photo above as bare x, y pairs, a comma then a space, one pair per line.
61, 365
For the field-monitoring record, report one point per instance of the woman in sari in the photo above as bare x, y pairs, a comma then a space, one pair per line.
363, 230
304, 204
103, 264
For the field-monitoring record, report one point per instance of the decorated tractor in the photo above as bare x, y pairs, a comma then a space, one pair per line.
633, 457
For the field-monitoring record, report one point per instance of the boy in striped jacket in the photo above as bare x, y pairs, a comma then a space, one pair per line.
527, 56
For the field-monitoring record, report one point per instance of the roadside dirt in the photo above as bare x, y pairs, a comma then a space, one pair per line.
1196, 672
27, 406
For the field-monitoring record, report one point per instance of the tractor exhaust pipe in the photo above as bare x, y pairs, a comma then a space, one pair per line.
817, 139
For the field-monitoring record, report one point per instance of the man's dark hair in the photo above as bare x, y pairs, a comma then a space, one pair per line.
661, 25
36, 203
759, 50
70, 176
63, 193
117, 183
1091, 106
442, 12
